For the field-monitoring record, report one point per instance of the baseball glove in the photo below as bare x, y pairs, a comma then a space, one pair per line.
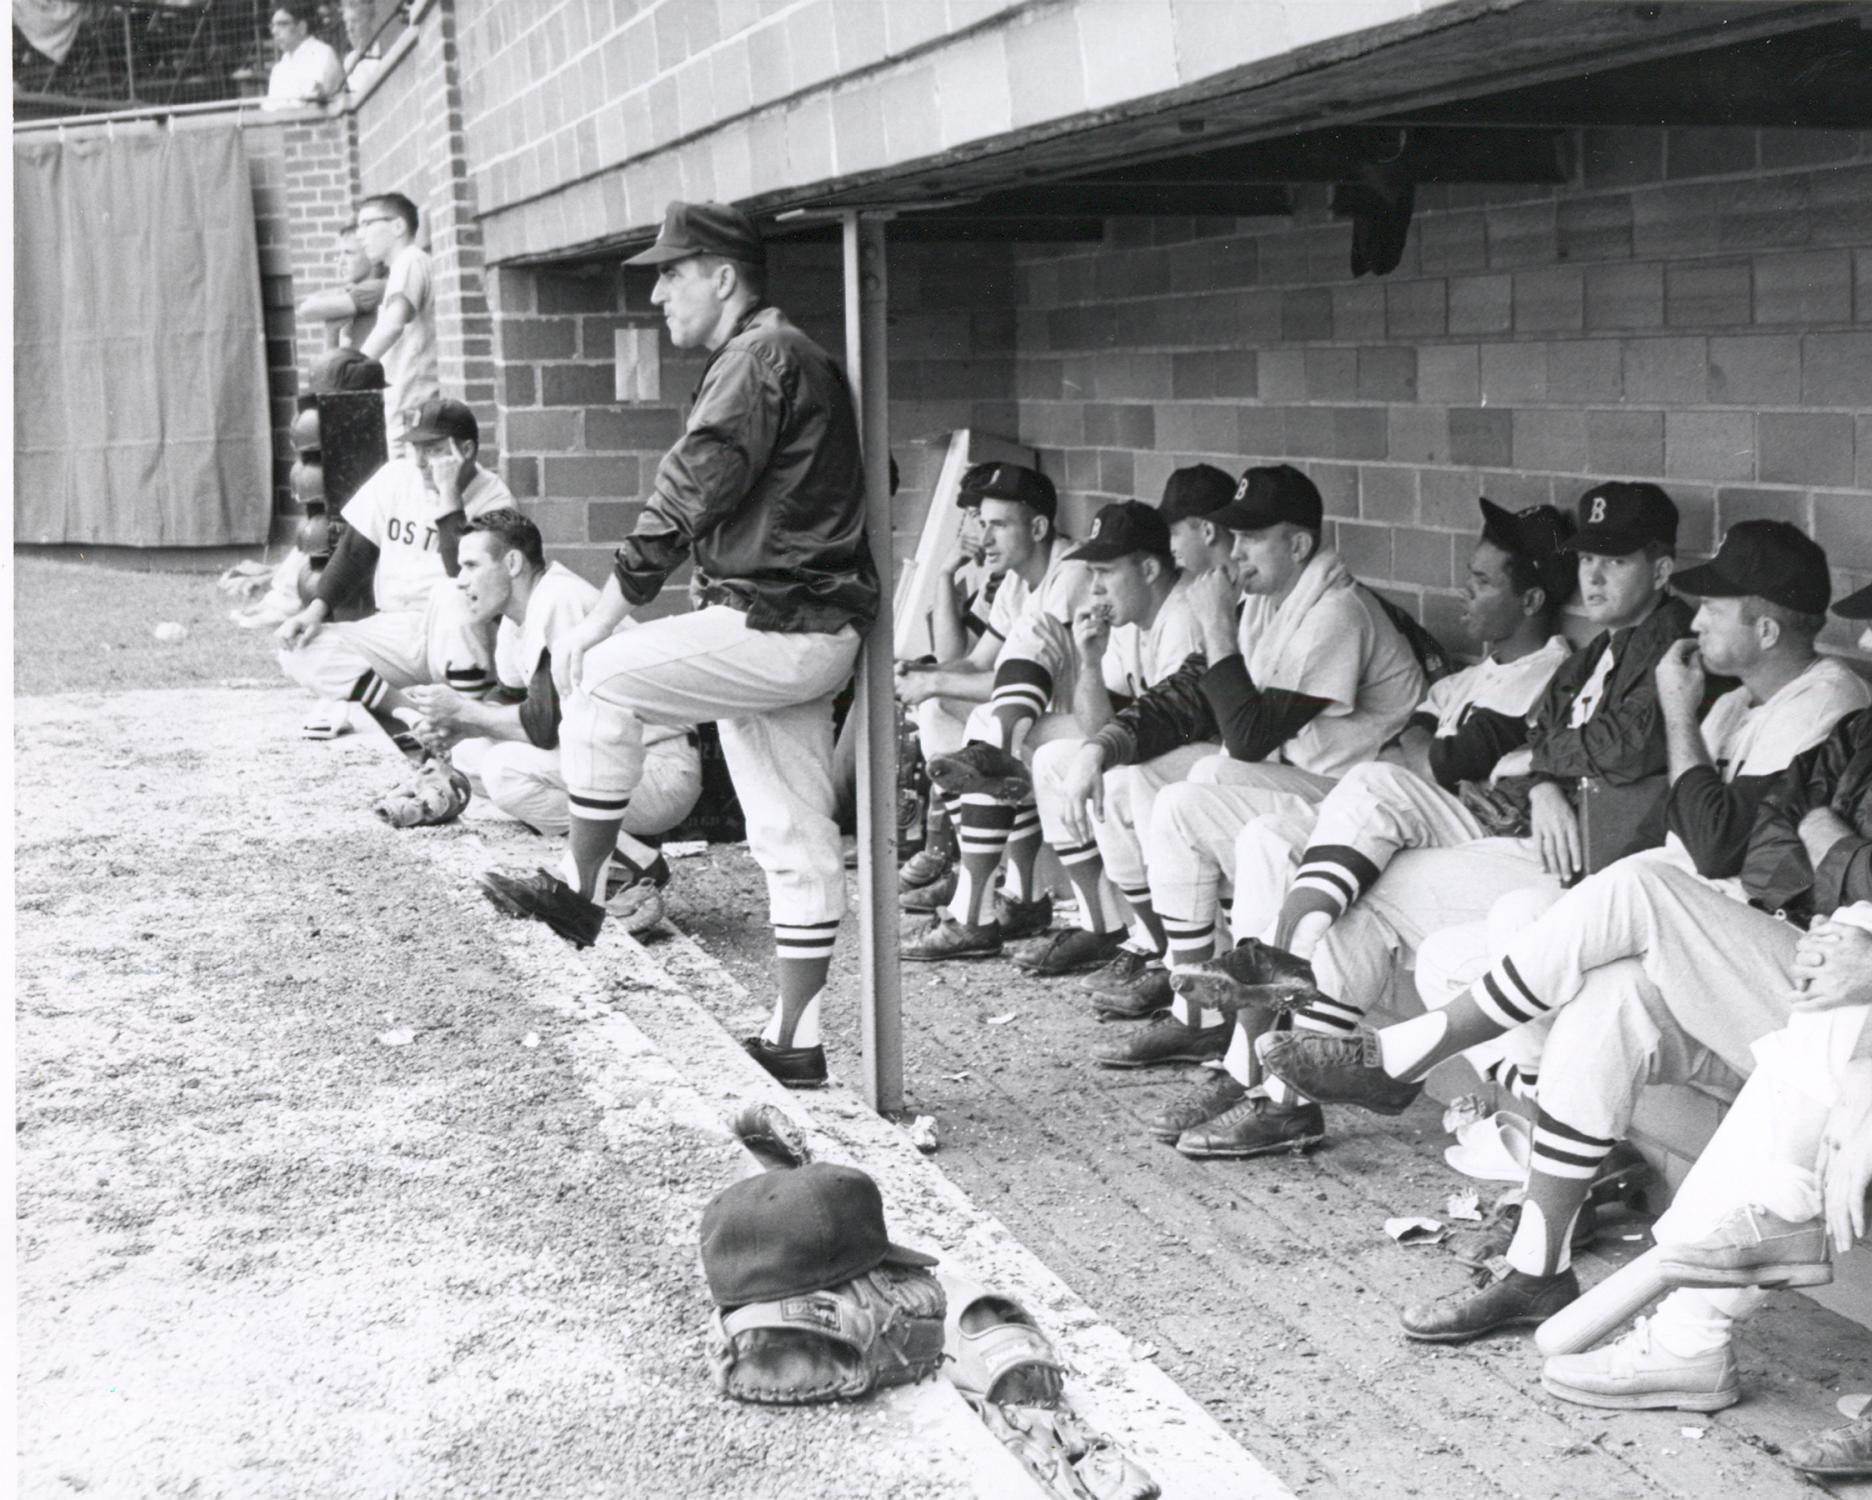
765, 1129
1501, 809
996, 1352
880, 1329
437, 793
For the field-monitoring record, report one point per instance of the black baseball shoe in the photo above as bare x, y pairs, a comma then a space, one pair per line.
933, 895
1514, 1300
544, 897
982, 770
1165, 1040
1338, 1070
943, 938
1071, 950
1129, 988
1023, 919
1256, 1126
796, 1067
1195, 1106
1251, 975
923, 867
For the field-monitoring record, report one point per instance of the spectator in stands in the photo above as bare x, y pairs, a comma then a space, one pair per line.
404, 339
349, 311
308, 71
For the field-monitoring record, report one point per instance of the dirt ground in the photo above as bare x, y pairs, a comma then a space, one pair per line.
264, 1252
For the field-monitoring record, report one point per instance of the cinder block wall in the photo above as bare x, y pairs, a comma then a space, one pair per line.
1694, 307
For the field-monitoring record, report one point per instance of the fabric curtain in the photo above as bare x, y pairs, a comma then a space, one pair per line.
139, 355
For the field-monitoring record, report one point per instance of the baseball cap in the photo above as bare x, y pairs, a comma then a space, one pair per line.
1264, 496
438, 418
1009, 482
703, 229
1539, 533
1122, 529
1856, 605
1620, 517
1199, 490
796, 1230
344, 370
1770, 560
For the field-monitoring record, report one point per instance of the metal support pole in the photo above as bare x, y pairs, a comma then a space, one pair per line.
865, 362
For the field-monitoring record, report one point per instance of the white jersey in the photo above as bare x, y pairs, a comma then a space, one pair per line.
397, 514
1509, 688
1055, 595
1139, 659
560, 600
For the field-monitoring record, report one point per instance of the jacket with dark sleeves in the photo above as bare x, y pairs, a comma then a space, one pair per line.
765, 488
1623, 742
1835, 774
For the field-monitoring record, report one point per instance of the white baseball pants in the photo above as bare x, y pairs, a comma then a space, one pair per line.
769, 692
1131, 794
528, 784
438, 643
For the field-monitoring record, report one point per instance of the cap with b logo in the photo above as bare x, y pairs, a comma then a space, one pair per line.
439, 418
1266, 496
1623, 516
1017, 482
797, 1230
1120, 530
1770, 560
1195, 492
703, 229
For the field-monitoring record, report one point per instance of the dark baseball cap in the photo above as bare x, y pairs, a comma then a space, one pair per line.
1120, 530
1197, 491
1009, 482
1265, 496
796, 1230
345, 370
439, 418
1539, 533
703, 229
1619, 518
1770, 560
1856, 605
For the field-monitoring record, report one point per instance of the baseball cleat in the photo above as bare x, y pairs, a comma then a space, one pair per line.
796, 1067
1195, 1106
1250, 976
1751, 1247
1337, 1070
1635, 1374
544, 897
1164, 1040
1255, 1126
923, 867
943, 938
1023, 919
934, 896
982, 770
1838, 1453
1514, 1300
1072, 950
1129, 988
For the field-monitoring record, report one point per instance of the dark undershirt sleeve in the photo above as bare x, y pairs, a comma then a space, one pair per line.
1483, 738
1713, 820
1255, 722
352, 564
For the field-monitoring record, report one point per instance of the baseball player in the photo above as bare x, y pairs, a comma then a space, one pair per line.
1127, 625
1518, 580
1764, 599
512, 747
402, 531
1313, 679
765, 489
1598, 718
1023, 549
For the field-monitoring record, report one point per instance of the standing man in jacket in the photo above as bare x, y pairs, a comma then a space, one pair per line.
765, 488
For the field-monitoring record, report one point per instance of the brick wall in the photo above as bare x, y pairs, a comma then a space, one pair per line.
1695, 307
581, 460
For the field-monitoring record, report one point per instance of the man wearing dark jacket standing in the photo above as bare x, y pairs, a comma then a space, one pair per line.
765, 489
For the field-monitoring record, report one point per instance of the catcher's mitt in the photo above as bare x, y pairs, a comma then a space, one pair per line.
880, 1329
437, 793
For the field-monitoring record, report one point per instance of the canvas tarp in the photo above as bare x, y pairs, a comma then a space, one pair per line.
139, 354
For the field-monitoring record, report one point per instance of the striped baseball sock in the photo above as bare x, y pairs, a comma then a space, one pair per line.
1020, 694
1023, 850
1561, 1169
370, 690
983, 835
1517, 1080
1330, 878
471, 681
1498, 1002
802, 959
1086, 870
1188, 940
591, 838
1146, 930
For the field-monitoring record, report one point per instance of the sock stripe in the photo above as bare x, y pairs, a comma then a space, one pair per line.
1513, 975
1498, 1005
1332, 885
1023, 674
1328, 1015
1547, 1125
598, 809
